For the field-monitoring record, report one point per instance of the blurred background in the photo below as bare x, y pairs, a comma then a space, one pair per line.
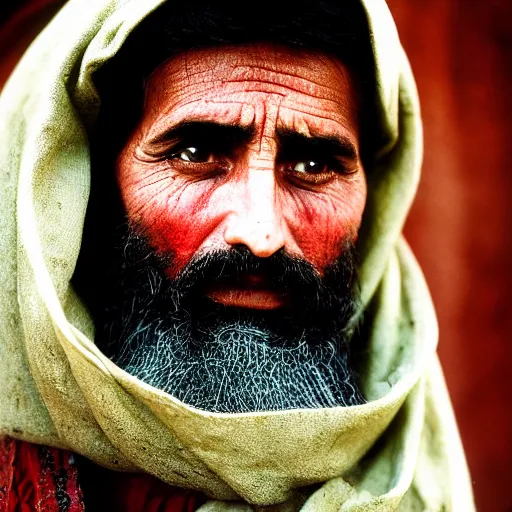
460, 227
461, 223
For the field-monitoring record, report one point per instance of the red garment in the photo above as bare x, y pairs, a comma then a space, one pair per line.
134, 493
37, 479
7, 452
41, 479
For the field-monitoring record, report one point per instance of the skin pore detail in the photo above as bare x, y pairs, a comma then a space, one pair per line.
254, 146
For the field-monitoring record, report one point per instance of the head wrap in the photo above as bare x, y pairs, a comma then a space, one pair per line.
398, 451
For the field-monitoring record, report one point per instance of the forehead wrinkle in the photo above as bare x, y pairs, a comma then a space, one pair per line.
246, 75
268, 123
227, 60
192, 97
185, 95
301, 84
314, 120
335, 109
299, 125
183, 65
260, 86
279, 72
307, 127
194, 110
181, 94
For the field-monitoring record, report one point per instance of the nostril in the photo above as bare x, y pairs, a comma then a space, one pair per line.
263, 236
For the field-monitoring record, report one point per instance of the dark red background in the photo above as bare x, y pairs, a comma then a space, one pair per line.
460, 225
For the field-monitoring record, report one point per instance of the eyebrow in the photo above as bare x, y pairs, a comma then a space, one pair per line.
182, 130
234, 134
324, 144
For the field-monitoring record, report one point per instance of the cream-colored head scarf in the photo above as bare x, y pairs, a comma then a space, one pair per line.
399, 451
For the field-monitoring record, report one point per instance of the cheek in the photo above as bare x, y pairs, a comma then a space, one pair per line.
175, 215
322, 222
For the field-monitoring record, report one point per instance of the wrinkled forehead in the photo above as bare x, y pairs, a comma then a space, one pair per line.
220, 79
264, 62
201, 63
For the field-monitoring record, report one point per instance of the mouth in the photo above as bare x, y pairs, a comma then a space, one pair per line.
250, 291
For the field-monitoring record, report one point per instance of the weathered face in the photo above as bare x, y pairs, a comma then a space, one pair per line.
254, 146
244, 191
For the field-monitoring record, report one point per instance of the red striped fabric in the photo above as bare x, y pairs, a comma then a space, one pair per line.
42, 479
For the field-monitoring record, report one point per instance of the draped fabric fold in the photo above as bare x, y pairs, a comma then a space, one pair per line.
398, 451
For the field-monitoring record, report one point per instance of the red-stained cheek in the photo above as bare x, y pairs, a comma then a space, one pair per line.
175, 215
180, 240
322, 224
180, 231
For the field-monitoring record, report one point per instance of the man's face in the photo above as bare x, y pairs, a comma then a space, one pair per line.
244, 190
254, 146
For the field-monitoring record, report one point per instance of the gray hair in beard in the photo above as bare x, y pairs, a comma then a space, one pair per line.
224, 359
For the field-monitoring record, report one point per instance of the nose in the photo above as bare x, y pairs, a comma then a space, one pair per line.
256, 220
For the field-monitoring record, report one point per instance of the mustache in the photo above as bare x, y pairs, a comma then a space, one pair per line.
312, 298
282, 272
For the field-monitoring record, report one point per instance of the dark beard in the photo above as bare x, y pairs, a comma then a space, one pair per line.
224, 359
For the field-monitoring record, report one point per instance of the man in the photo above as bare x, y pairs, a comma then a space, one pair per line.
238, 166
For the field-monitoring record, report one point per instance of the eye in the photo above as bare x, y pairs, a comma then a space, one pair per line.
198, 162
194, 155
310, 166
313, 172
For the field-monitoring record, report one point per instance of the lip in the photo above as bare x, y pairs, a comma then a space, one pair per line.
250, 291
248, 298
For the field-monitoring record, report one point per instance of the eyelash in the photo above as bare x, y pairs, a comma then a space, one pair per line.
199, 170
333, 166
311, 179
